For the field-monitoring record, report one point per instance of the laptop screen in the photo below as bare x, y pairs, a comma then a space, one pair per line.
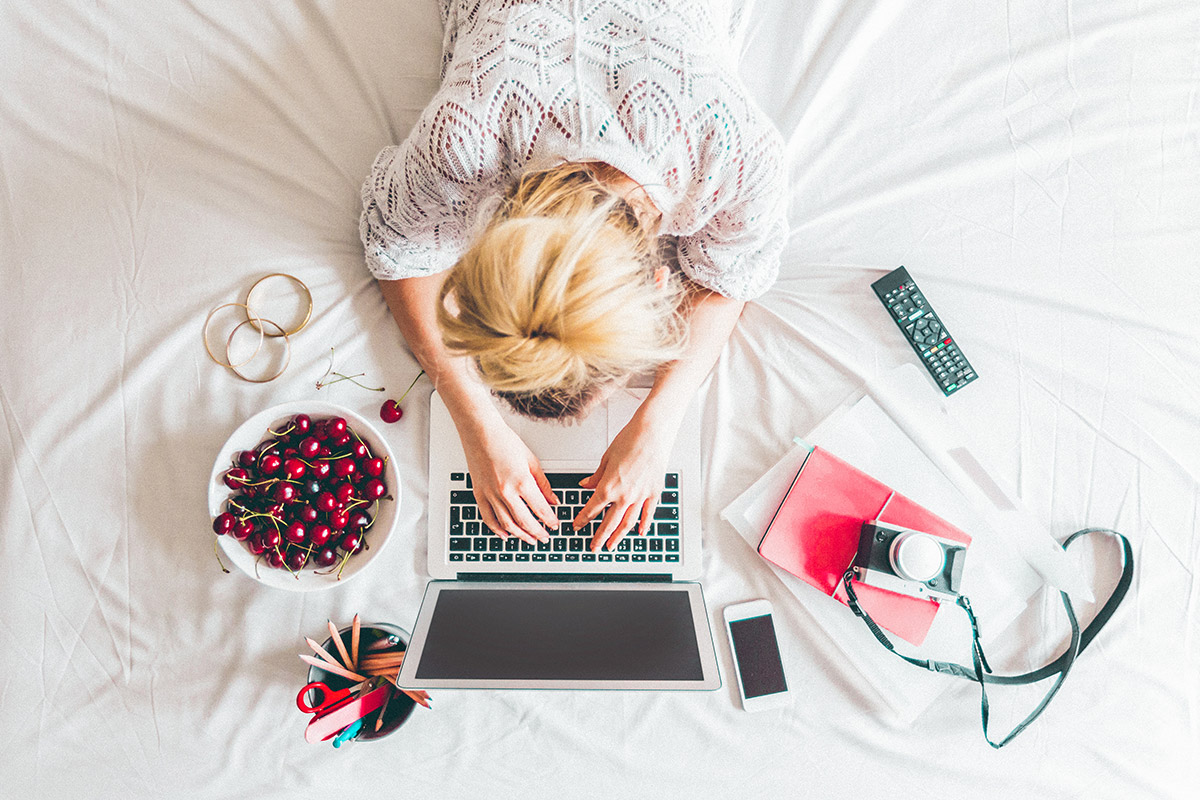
560, 636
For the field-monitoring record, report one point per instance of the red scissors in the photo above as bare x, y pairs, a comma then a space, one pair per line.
337, 710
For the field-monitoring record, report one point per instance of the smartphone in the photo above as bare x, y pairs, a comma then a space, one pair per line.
756, 660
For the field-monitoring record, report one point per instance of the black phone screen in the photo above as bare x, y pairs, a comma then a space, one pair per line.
757, 654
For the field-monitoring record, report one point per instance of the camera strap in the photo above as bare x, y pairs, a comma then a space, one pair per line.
981, 672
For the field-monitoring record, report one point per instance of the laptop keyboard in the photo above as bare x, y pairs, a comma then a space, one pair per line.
471, 540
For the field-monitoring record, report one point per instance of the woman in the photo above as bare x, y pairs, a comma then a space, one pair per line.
589, 195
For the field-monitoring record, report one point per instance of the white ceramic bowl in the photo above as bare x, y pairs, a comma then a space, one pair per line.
252, 432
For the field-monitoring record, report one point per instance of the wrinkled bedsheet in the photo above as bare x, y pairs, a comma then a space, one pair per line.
1035, 164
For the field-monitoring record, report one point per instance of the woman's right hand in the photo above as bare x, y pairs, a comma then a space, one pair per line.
510, 488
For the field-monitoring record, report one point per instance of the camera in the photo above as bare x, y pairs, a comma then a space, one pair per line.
909, 562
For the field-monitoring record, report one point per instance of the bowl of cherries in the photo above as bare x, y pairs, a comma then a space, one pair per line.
304, 495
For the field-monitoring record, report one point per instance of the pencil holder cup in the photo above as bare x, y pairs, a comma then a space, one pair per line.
399, 707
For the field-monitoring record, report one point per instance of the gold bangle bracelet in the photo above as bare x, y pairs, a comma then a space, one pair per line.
209, 349
287, 340
252, 317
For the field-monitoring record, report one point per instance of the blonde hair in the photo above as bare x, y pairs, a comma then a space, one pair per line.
559, 295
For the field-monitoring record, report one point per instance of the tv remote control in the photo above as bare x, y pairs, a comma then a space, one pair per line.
925, 332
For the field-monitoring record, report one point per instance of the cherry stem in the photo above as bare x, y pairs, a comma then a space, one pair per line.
286, 565
345, 559
283, 432
410, 386
218, 555
254, 514
341, 377
262, 483
354, 433
328, 369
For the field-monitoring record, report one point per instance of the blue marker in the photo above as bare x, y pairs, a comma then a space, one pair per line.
348, 733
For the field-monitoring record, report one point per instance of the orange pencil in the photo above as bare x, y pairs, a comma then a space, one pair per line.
382, 711
354, 643
341, 648
420, 696
320, 651
325, 665
382, 662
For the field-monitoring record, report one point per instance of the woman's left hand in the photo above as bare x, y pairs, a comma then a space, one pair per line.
629, 480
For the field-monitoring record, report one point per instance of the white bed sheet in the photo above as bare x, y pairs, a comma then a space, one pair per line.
1036, 165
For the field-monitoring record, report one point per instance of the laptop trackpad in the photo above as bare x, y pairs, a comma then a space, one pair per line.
575, 440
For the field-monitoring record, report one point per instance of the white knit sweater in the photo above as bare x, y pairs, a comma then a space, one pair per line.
647, 86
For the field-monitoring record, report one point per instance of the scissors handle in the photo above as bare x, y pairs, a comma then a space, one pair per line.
327, 696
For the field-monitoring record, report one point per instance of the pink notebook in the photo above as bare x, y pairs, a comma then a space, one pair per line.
814, 536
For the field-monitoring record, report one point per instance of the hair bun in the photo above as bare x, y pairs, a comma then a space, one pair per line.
557, 295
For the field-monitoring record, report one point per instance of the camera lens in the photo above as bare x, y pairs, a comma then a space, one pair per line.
917, 556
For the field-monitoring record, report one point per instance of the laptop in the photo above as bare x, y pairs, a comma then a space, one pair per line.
502, 613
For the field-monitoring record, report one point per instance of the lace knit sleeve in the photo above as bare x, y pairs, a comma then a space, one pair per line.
737, 252
420, 199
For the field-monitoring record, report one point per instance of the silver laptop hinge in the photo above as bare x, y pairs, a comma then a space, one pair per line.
563, 577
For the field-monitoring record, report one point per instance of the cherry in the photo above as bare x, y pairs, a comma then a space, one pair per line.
390, 412
312, 478
243, 530
344, 493
224, 523
236, 477
284, 492
296, 559
296, 533
318, 535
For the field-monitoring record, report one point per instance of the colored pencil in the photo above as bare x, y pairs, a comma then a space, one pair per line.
382, 711
325, 665
398, 658
321, 651
382, 644
420, 697
354, 643
341, 648
387, 673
